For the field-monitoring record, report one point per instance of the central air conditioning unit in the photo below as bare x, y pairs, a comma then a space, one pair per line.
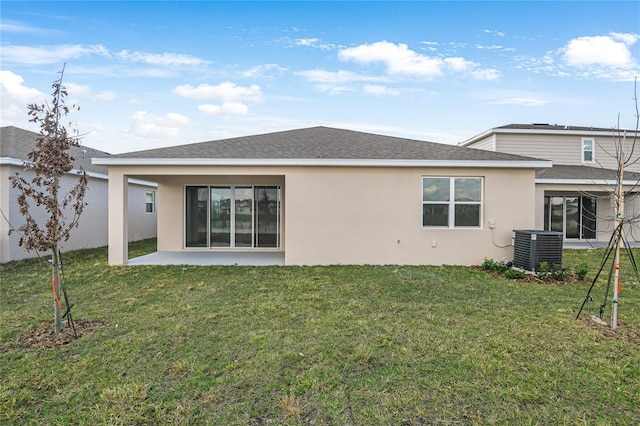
531, 248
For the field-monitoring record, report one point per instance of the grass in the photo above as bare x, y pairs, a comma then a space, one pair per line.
355, 345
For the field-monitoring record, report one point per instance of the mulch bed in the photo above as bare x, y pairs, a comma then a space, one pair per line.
531, 278
43, 336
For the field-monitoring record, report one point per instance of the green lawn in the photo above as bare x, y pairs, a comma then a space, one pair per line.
339, 345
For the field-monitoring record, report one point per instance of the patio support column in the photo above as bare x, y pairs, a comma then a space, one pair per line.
5, 239
118, 218
539, 203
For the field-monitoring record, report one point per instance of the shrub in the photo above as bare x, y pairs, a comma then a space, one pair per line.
492, 265
555, 271
558, 273
514, 274
581, 271
543, 270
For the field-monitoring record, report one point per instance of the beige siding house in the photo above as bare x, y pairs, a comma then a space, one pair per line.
322, 196
574, 196
15, 144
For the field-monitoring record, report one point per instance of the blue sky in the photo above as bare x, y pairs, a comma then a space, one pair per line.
152, 74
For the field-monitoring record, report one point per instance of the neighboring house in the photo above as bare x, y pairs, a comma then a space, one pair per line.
321, 196
574, 196
15, 144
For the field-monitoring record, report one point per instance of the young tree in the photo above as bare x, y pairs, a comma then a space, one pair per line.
49, 162
626, 154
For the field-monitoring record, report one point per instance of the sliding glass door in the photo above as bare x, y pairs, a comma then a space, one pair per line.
243, 216
573, 215
267, 216
196, 213
220, 215
232, 216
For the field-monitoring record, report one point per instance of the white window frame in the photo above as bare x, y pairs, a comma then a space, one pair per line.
232, 245
451, 203
153, 202
592, 150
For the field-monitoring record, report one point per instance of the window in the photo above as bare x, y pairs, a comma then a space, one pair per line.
587, 150
150, 204
451, 202
232, 216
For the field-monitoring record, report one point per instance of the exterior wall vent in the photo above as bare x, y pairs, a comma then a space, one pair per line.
531, 248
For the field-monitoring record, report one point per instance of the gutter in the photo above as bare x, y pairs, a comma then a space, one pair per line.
600, 182
308, 162
10, 161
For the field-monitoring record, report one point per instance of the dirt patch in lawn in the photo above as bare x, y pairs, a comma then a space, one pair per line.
625, 331
43, 336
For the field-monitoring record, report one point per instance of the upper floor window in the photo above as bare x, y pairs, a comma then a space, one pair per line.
451, 202
150, 201
588, 150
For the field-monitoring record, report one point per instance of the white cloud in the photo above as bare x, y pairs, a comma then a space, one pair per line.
227, 108
488, 74
15, 96
494, 47
84, 91
77, 89
323, 76
11, 26
513, 97
612, 50
400, 60
459, 64
146, 124
462, 65
306, 41
50, 54
227, 92
333, 82
334, 89
495, 33
164, 59
261, 70
374, 89
314, 42
104, 96
626, 38
520, 101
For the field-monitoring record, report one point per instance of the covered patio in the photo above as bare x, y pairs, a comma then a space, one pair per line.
212, 258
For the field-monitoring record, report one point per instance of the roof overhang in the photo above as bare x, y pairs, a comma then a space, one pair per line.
10, 161
596, 182
572, 132
314, 162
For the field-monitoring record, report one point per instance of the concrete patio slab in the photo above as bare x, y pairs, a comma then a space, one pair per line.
210, 258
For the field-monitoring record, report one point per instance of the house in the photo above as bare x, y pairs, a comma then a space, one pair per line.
322, 196
15, 144
575, 195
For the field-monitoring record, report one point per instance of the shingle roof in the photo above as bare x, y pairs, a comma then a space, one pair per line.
18, 143
545, 126
582, 173
321, 143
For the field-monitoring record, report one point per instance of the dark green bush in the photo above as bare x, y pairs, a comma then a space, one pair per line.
492, 265
514, 274
555, 271
581, 271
